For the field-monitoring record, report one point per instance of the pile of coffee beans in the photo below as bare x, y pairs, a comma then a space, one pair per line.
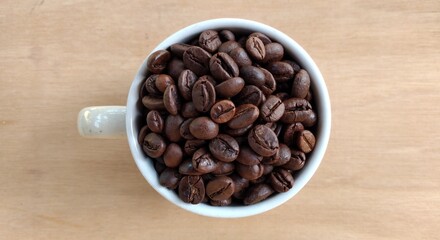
229, 118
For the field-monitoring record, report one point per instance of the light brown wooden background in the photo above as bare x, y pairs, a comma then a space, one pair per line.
380, 178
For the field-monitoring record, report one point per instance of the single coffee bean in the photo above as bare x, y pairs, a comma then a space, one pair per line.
203, 161
265, 39
224, 147
163, 81
192, 189
154, 145
290, 133
250, 172
187, 168
224, 168
171, 100
267, 169
283, 96
310, 120
172, 127
250, 94
226, 35
225, 202
153, 103
158, 61
238, 132
281, 180
170, 178
189, 110
274, 52
203, 95
159, 167
223, 67
284, 154
245, 115
210, 40
270, 85
258, 193
230, 87
179, 48
240, 57
155, 121
305, 141
150, 85
191, 146
263, 141
142, 133
221, 188
247, 156
203, 128
222, 111
252, 75
228, 46
296, 110
281, 71
173, 155
255, 48
295, 66
185, 83
175, 67
296, 161
301, 84
197, 59
272, 110
184, 129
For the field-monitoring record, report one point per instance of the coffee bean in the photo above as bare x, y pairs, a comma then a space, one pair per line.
305, 141
173, 155
224, 147
203, 95
222, 111
171, 100
290, 133
158, 61
272, 110
203, 161
209, 79
221, 188
240, 57
281, 71
228, 46
241, 184
224, 168
252, 75
203, 128
255, 48
263, 141
267, 169
185, 83
301, 84
265, 39
163, 81
296, 161
281, 180
247, 156
245, 115
230, 87
250, 94
238, 132
154, 145
284, 154
296, 110
189, 110
175, 67
258, 193
223, 67
150, 85
311, 119
197, 59
226, 35
142, 133
274, 52
225, 202
250, 172
152, 103
187, 168
295, 66
191, 189
270, 84
170, 178
210, 40
191, 146
155, 121
179, 48
184, 129
172, 127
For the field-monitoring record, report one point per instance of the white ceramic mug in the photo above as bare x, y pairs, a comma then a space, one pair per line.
121, 121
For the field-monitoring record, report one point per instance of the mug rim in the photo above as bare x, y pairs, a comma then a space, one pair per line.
322, 101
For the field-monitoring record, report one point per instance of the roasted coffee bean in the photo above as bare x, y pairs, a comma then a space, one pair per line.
223, 67
310, 120
296, 110
250, 94
228, 46
255, 48
250, 172
153, 103
301, 84
142, 133
154, 145
185, 83
171, 100
274, 52
241, 184
281, 180
179, 48
295, 66
222, 111
224, 168
173, 155
155, 121
225, 202
226, 35
189, 110
258, 193
191, 146
221, 188
247, 156
210, 40
175, 67
296, 161
158, 61
159, 167
245, 115
265, 39
272, 109
240, 57
172, 127
184, 129
203, 161
267, 169
150, 85
203, 95
291, 132
197, 59
263, 141
170, 178
224, 147
163, 81
187, 168
270, 85
284, 154
209, 79
203, 128
281, 71
230, 87
305, 141
252, 75
192, 189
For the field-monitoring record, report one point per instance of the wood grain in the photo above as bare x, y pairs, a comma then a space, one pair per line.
380, 178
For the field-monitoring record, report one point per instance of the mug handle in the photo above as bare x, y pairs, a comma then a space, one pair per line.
105, 122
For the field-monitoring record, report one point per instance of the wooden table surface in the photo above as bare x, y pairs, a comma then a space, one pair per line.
380, 178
